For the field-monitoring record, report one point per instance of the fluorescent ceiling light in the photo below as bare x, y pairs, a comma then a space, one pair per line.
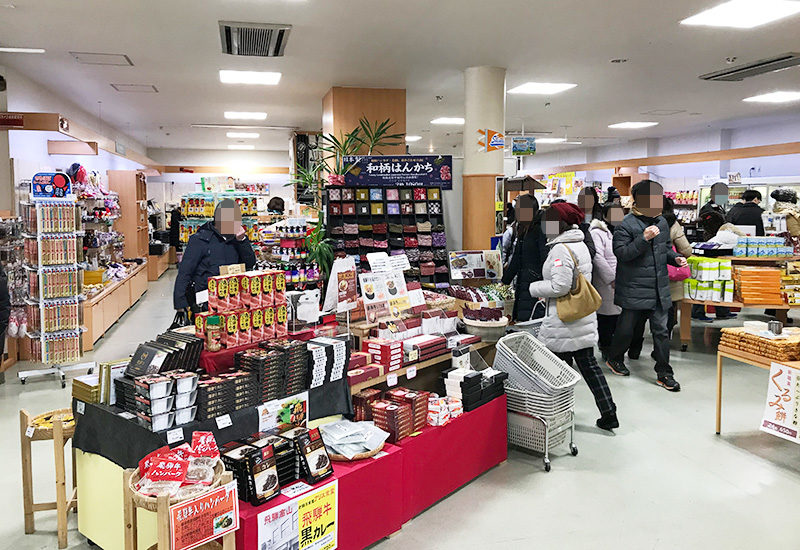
541, 88
447, 120
249, 77
241, 147
411, 139
632, 125
744, 14
550, 140
245, 115
22, 50
775, 97
243, 135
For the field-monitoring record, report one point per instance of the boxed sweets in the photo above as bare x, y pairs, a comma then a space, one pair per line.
359, 359
267, 288
281, 320
417, 400
244, 327
314, 456
438, 411
234, 291
257, 325
218, 297
362, 374
153, 386
251, 289
229, 325
263, 481
268, 331
394, 418
454, 406
362, 401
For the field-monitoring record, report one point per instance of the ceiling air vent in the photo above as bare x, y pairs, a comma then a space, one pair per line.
762, 66
253, 39
92, 58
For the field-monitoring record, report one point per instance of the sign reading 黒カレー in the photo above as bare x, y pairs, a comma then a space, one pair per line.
199, 520
400, 171
307, 522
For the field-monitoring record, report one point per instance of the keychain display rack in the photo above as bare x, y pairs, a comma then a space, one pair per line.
52, 240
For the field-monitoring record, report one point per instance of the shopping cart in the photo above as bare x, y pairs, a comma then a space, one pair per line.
541, 395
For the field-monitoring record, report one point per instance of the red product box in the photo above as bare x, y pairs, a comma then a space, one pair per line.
359, 359
368, 372
229, 323
245, 327
281, 320
218, 299
381, 345
279, 284
234, 291
269, 322
251, 289
267, 288
257, 325
200, 322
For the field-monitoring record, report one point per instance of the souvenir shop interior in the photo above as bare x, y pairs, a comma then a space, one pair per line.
286, 287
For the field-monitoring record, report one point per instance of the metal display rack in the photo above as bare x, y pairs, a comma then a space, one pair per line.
61, 345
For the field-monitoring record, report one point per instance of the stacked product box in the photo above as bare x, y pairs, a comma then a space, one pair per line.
164, 400
362, 374
710, 281
312, 462
362, 403
215, 397
385, 352
473, 388
442, 409
268, 366
758, 285
395, 418
296, 359
426, 346
790, 283
418, 401
331, 358
255, 466
251, 307
762, 247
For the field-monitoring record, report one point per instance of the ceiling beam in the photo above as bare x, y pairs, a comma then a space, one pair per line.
223, 170
792, 148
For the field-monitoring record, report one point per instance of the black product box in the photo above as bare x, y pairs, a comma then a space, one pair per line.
263, 481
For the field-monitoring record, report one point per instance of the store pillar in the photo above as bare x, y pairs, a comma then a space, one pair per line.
343, 107
484, 109
6, 187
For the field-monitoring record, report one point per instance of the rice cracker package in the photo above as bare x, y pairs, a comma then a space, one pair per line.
269, 322
257, 325
229, 322
234, 291
218, 293
281, 318
267, 288
245, 334
251, 289
280, 287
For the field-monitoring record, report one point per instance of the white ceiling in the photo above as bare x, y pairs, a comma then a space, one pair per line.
420, 45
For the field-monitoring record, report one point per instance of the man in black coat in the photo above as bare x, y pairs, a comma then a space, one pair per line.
643, 249
748, 212
217, 243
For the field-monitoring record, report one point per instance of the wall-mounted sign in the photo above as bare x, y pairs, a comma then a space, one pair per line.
734, 178
521, 146
400, 171
490, 140
11, 121
51, 185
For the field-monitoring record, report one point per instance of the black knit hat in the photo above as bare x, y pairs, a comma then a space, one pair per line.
646, 187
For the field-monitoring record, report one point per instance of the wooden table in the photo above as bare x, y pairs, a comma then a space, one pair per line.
484, 348
742, 357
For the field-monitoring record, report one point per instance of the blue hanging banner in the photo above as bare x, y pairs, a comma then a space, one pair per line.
400, 171
51, 185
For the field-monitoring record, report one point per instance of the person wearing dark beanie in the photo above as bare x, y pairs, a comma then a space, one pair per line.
572, 342
643, 249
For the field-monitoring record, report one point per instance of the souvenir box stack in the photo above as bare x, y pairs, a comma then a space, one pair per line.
748, 340
268, 366
395, 418
255, 467
426, 346
329, 359
362, 374
215, 397
473, 388
758, 285
385, 352
312, 462
295, 368
790, 283
418, 401
245, 389
362, 403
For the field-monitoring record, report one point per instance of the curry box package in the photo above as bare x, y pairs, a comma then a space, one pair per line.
314, 455
267, 288
245, 328
394, 418
268, 331
257, 324
362, 401
263, 476
234, 291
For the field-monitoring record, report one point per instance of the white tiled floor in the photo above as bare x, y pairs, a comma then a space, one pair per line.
663, 480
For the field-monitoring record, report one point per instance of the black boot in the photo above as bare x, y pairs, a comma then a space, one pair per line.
608, 422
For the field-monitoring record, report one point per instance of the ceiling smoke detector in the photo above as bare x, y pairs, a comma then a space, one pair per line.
253, 39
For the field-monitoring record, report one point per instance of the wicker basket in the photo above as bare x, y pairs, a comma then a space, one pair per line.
359, 456
151, 503
47, 432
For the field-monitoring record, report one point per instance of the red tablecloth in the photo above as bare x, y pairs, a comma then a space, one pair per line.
217, 362
370, 503
442, 459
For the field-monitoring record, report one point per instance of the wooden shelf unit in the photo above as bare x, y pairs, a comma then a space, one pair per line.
156, 266
132, 189
101, 311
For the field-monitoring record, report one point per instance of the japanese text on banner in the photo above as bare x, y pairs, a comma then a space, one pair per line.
781, 411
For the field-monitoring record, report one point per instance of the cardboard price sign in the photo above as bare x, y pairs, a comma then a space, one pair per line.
205, 518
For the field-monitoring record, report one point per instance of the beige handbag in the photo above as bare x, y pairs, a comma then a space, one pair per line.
582, 300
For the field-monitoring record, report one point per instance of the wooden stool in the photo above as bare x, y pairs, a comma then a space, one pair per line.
59, 434
160, 506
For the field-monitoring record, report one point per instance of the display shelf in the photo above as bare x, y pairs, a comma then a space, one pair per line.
441, 359
104, 309
157, 266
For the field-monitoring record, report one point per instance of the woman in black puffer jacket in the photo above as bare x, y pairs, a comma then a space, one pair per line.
527, 256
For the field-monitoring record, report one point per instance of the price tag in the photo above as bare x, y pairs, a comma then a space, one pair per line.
411, 372
224, 421
413, 355
126, 415
80, 406
380, 455
297, 489
29, 432
173, 436
391, 379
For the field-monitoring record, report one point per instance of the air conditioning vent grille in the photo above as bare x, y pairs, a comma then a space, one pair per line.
253, 39
762, 66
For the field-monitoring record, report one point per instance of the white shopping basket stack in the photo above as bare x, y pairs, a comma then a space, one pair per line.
541, 394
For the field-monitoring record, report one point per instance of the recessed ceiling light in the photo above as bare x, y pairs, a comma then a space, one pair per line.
632, 125
245, 115
448, 120
541, 88
249, 77
411, 139
744, 14
241, 147
775, 97
22, 50
550, 140
243, 135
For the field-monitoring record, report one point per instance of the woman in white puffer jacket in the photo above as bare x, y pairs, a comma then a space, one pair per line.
572, 342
